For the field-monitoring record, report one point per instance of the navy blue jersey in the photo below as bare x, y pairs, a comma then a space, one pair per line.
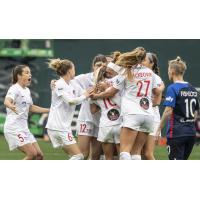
183, 97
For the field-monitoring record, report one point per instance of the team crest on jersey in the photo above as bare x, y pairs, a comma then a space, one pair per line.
144, 103
113, 115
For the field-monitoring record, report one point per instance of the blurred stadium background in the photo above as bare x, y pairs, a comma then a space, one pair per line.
36, 52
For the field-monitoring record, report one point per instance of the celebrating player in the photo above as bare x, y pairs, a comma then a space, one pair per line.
88, 124
65, 96
19, 102
109, 131
151, 62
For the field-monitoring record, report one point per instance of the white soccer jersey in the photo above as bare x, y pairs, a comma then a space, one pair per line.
22, 100
61, 113
86, 81
156, 108
137, 96
110, 111
110, 108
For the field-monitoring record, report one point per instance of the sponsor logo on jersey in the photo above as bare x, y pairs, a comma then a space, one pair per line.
113, 114
188, 94
60, 88
144, 103
23, 102
170, 99
182, 120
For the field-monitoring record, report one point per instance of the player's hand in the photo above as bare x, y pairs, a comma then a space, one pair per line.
53, 84
90, 90
94, 96
14, 109
157, 136
102, 86
86, 93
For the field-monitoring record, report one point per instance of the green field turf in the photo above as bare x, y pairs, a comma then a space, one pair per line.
57, 154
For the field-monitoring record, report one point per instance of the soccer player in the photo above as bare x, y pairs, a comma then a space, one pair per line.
109, 131
65, 96
138, 84
151, 61
181, 105
88, 124
18, 103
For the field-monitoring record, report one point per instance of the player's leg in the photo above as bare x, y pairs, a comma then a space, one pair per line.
29, 151
127, 139
189, 144
175, 147
74, 151
96, 149
108, 149
38, 150
148, 149
70, 146
138, 145
84, 145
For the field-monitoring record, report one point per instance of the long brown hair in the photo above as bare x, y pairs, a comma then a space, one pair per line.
17, 71
131, 59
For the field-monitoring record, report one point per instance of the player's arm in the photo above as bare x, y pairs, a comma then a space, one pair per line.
158, 88
157, 94
9, 103
166, 114
108, 93
94, 108
38, 109
74, 100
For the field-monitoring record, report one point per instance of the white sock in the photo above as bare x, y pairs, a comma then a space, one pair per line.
77, 157
125, 156
136, 157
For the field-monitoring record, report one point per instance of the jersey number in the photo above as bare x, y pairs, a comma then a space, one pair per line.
189, 110
142, 85
21, 139
108, 102
69, 135
83, 127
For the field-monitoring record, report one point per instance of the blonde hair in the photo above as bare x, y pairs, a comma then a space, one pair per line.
60, 66
178, 65
115, 55
129, 59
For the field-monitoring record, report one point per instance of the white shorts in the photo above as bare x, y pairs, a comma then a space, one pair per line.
87, 128
109, 134
19, 139
142, 123
155, 128
61, 138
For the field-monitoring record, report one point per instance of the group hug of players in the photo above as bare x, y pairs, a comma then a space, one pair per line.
119, 115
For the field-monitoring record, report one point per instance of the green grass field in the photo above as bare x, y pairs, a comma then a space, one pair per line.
57, 154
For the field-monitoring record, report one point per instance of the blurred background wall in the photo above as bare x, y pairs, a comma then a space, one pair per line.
81, 52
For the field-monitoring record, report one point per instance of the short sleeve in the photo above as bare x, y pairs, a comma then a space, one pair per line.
170, 98
119, 82
12, 93
81, 80
158, 81
59, 89
155, 81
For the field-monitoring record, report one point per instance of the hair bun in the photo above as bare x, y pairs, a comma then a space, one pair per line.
178, 58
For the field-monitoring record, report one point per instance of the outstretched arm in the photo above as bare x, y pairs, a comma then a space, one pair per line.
108, 93
38, 109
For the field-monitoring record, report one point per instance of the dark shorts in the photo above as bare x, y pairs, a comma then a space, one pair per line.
180, 148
